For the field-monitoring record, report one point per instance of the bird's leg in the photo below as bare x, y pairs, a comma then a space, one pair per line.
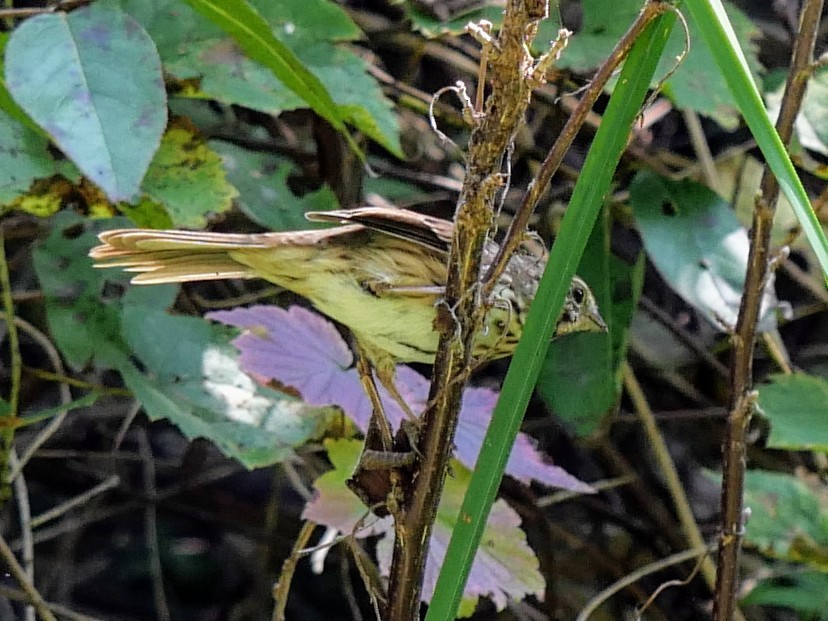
385, 374
410, 426
384, 367
382, 472
379, 433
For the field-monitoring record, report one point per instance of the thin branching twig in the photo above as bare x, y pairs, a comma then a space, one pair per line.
691, 531
65, 395
512, 77
159, 596
63, 611
24, 512
514, 236
637, 575
7, 433
510, 71
282, 586
742, 396
19, 574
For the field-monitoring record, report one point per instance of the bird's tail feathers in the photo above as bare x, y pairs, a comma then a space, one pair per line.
173, 256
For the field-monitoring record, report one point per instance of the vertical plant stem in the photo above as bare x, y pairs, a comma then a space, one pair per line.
162, 609
510, 71
742, 396
63, 388
553, 159
24, 511
7, 434
282, 587
520, 380
11, 327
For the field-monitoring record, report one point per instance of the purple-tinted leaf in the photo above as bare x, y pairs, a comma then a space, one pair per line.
504, 567
301, 350
335, 505
295, 333
525, 462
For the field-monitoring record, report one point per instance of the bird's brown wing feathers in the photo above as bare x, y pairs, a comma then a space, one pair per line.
408, 225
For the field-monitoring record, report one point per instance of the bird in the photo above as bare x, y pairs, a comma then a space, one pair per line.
380, 273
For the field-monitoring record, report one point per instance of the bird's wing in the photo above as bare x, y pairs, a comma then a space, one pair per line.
427, 231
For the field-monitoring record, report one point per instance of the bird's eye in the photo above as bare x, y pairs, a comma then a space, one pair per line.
578, 294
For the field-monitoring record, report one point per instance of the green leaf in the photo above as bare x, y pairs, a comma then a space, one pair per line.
148, 214
627, 281
194, 380
195, 49
804, 592
797, 408
811, 125
394, 190
187, 178
264, 194
256, 426
741, 178
577, 380
92, 79
254, 35
503, 545
504, 542
587, 199
718, 34
693, 86
46, 414
357, 94
313, 20
32, 180
192, 375
432, 27
581, 377
84, 323
334, 505
7, 104
602, 26
24, 157
789, 518
698, 245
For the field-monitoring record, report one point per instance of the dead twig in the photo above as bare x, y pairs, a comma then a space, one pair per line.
742, 396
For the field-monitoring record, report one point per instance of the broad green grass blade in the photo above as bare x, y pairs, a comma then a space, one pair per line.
717, 32
586, 202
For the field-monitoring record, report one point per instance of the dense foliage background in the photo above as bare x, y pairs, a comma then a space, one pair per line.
162, 463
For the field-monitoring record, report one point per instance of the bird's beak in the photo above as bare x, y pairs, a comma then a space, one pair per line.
595, 319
